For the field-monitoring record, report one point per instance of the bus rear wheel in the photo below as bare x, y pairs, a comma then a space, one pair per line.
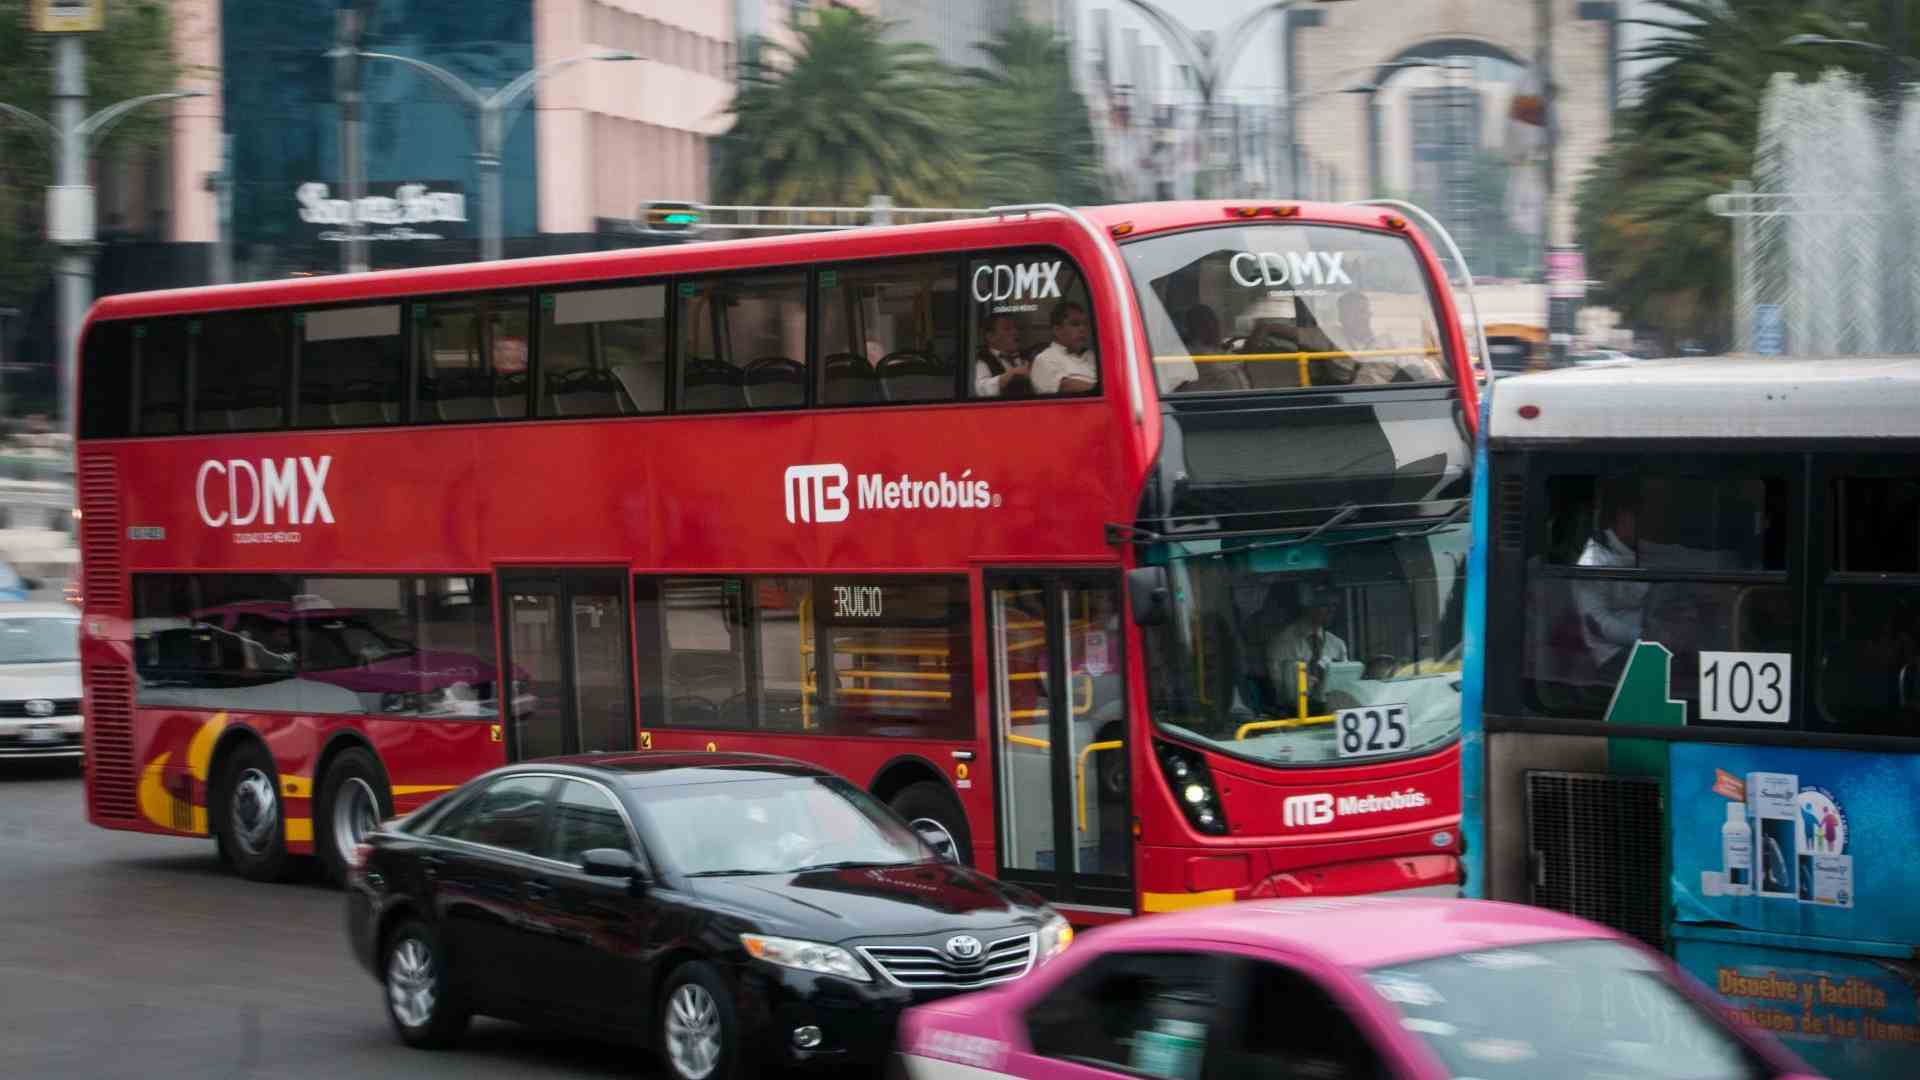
253, 834
353, 801
929, 801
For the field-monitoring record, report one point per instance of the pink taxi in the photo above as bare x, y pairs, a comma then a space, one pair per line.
1346, 989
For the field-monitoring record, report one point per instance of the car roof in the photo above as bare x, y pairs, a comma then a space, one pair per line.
668, 769
1355, 932
26, 609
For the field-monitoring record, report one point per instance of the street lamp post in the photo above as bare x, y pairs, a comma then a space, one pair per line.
494, 114
70, 209
1210, 67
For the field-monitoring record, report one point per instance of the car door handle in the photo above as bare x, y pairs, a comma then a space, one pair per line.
431, 864
538, 890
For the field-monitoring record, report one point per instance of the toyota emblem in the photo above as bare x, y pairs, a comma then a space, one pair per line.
964, 947
40, 707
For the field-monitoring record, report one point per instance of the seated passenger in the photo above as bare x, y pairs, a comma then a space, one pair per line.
1068, 366
1202, 339
998, 368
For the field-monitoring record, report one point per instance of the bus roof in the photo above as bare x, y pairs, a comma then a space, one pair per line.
856, 243
1713, 398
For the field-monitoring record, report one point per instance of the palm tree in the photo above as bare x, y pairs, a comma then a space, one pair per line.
1642, 207
842, 115
1031, 133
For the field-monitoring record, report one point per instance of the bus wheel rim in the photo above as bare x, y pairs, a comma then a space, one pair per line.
256, 811
355, 814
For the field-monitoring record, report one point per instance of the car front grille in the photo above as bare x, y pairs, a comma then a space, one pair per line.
924, 967
17, 710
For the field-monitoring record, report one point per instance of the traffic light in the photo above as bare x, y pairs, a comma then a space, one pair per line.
672, 218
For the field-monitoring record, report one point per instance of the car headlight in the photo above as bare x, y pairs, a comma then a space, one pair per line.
1055, 936
805, 956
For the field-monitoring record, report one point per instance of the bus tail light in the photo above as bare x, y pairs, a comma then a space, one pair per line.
1193, 789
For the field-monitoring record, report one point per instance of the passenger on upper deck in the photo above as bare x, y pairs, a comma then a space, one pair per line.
998, 368
1068, 366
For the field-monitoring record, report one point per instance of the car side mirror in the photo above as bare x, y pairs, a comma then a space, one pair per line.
939, 839
1147, 594
609, 862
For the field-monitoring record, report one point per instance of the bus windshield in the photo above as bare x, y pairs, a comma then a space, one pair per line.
1329, 650
1265, 307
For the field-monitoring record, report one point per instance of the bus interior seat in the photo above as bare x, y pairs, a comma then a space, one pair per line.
365, 402
645, 384
710, 384
587, 392
849, 380
915, 376
773, 381
510, 395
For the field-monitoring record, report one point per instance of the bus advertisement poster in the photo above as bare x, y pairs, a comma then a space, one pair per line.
1851, 1016
1779, 840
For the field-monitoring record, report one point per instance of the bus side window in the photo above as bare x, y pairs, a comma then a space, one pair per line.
353, 365
887, 333
240, 372
473, 357
743, 342
106, 381
603, 352
161, 345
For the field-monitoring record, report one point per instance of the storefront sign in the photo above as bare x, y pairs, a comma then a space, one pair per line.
389, 211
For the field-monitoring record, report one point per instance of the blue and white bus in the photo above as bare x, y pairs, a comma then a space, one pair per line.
1693, 679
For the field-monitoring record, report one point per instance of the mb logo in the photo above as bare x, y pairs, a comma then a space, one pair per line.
817, 493
1307, 809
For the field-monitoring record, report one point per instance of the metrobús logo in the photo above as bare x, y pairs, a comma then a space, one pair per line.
1321, 808
236, 493
818, 493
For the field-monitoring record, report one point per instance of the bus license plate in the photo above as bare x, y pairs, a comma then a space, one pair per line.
1371, 730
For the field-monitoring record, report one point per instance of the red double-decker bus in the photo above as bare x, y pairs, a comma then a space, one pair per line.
1123, 546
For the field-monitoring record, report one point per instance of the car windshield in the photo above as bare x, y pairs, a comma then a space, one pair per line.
1325, 650
1269, 307
41, 639
1572, 1010
780, 825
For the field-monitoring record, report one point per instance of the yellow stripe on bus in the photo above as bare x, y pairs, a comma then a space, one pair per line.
420, 789
1180, 901
299, 830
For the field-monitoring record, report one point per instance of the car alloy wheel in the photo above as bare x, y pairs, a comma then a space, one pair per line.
356, 813
693, 1031
412, 984
255, 812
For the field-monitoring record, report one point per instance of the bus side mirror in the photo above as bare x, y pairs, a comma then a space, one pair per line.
1147, 592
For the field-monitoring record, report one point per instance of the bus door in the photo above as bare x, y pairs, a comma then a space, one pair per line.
566, 645
1059, 736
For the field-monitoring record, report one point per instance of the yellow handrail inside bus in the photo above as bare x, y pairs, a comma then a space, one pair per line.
1299, 720
1078, 708
1080, 772
1300, 358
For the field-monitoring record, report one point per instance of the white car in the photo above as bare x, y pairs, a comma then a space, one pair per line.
40, 681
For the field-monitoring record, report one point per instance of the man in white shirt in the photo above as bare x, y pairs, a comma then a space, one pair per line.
1610, 611
1067, 366
1305, 638
998, 369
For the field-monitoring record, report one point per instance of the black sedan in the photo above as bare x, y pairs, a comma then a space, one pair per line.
728, 910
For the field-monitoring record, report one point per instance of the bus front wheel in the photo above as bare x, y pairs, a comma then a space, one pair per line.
930, 801
354, 800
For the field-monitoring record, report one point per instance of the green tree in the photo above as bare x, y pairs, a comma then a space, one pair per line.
1642, 213
844, 114
129, 58
1031, 135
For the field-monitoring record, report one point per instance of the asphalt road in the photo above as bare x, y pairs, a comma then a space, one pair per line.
141, 956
